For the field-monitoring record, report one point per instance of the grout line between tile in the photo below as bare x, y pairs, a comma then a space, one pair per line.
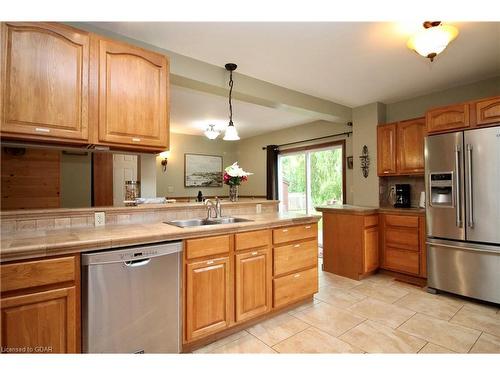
296, 333
478, 337
270, 347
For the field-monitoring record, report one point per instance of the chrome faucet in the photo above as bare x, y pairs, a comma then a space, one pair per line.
213, 208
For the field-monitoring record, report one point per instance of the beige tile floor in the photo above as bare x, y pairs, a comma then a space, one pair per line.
376, 315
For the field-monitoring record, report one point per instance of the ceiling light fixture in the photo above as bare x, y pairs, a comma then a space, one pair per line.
433, 39
211, 132
231, 133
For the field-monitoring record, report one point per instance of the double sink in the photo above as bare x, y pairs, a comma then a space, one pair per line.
202, 222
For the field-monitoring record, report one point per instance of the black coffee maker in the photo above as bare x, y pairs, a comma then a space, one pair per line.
402, 196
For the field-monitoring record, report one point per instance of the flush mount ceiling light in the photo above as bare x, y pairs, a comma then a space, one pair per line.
231, 133
433, 39
211, 132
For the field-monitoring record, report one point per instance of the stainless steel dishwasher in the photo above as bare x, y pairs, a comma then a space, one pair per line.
131, 299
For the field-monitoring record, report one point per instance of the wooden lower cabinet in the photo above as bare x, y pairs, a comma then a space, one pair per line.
402, 244
253, 284
350, 243
40, 306
207, 297
238, 285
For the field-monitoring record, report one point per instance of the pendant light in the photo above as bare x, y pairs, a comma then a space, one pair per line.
231, 133
432, 39
211, 132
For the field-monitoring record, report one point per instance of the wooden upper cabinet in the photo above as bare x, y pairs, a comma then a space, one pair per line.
386, 149
132, 96
207, 305
487, 111
45, 82
452, 117
410, 146
253, 284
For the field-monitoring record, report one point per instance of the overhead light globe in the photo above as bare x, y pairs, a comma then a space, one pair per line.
433, 39
231, 133
211, 132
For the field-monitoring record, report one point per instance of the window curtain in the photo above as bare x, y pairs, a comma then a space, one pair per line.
272, 172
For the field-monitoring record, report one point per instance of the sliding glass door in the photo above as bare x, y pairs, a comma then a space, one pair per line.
310, 177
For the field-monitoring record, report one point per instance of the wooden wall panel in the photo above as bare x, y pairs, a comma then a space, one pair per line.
30, 180
102, 175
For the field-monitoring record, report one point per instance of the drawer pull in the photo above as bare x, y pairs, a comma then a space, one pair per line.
285, 230
136, 139
296, 245
296, 275
42, 130
210, 261
254, 253
308, 227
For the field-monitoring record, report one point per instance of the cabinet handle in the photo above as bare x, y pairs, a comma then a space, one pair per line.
136, 139
285, 230
308, 227
210, 261
296, 246
254, 253
296, 275
42, 130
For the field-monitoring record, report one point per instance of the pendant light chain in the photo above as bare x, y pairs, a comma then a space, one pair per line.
230, 96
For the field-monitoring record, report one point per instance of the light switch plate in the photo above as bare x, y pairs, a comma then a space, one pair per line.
258, 208
99, 219
170, 189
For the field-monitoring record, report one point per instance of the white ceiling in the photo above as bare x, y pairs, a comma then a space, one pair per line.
351, 63
191, 111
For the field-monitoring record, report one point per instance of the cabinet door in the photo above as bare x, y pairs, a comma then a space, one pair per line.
386, 149
207, 297
44, 82
487, 111
448, 118
133, 96
43, 322
410, 146
253, 284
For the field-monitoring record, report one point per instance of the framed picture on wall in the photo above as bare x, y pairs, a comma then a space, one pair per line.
202, 170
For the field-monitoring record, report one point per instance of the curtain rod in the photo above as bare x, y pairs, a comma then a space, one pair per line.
313, 139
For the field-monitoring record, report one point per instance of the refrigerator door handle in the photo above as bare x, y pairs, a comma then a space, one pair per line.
469, 186
458, 187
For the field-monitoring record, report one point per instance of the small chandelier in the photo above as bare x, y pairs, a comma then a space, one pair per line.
211, 132
433, 39
231, 133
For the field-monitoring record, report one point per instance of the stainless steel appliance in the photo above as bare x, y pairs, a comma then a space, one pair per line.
462, 178
402, 196
131, 299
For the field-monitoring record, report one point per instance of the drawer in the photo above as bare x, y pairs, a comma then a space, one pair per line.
291, 288
402, 260
405, 238
252, 240
298, 232
294, 257
21, 275
202, 247
401, 221
371, 221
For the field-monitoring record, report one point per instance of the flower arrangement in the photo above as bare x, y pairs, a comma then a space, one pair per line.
234, 175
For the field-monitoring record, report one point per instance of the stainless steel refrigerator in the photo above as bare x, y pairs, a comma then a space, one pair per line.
462, 179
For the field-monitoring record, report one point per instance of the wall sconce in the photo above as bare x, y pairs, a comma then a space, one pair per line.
365, 161
164, 161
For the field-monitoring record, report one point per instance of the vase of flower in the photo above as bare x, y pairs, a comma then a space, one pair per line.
234, 176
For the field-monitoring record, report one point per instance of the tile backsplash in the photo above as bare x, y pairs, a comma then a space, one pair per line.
417, 185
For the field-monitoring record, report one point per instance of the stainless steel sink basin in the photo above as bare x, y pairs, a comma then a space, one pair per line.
200, 222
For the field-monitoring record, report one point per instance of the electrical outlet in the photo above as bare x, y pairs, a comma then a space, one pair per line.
99, 219
258, 208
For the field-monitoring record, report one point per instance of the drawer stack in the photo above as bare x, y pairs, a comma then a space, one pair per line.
295, 263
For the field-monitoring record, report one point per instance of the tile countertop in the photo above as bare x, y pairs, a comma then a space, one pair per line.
35, 244
363, 210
